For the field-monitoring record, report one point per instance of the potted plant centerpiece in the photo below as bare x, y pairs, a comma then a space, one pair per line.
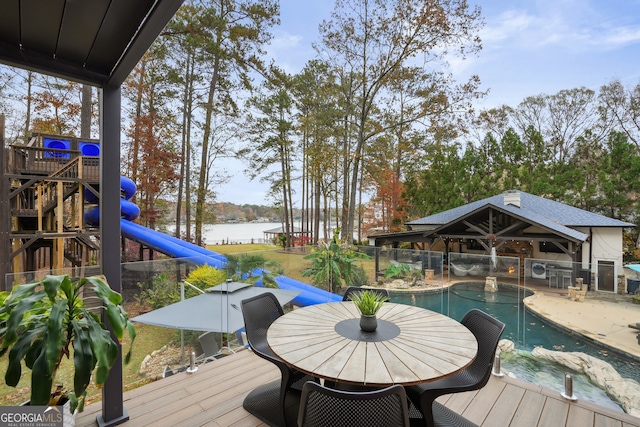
368, 303
45, 322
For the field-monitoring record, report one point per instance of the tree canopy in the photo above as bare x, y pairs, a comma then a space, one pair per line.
372, 132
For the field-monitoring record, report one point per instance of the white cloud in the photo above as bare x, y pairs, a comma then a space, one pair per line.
507, 25
621, 36
565, 24
284, 40
289, 51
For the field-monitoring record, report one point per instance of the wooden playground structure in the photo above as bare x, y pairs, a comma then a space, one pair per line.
47, 185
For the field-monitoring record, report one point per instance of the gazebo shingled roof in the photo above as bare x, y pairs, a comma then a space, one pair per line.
506, 214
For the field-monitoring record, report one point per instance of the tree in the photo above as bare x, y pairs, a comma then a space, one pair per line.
370, 41
56, 107
571, 113
618, 178
315, 91
271, 133
231, 33
622, 106
5, 84
511, 159
434, 188
402, 145
530, 114
150, 152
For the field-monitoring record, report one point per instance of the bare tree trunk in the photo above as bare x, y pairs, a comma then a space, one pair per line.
135, 149
187, 206
85, 112
344, 216
316, 211
27, 123
186, 111
203, 179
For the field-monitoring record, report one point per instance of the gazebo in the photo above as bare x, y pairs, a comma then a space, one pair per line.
98, 43
518, 224
298, 237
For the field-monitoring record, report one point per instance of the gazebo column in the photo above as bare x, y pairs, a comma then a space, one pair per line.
113, 412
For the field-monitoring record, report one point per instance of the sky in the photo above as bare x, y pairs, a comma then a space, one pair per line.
530, 47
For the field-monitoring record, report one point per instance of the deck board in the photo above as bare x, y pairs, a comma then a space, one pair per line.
213, 397
509, 398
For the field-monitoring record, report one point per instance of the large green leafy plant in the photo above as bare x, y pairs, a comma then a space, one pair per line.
333, 263
44, 322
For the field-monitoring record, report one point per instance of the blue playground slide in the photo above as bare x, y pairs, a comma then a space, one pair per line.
177, 248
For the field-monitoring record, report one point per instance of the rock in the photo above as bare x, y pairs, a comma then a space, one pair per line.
399, 284
506, 346
577, 293
622, 390
143, 365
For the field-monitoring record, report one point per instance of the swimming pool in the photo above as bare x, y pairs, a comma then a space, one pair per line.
527, 331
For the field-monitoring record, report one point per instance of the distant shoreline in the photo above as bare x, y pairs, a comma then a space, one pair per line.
240, 232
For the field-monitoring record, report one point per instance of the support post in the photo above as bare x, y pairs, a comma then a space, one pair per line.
5, 214
113, 412
496, 371
568, 388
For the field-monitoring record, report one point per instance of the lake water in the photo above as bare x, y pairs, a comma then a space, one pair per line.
216, 234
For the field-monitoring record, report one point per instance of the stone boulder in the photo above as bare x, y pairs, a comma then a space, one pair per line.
399, 284
623, 390
506, 346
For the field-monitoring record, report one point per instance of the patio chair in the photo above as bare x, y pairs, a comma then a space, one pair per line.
487, 331
566, 278
325, 407
553, 277
210, 347
259, 313
445, 417
353, 289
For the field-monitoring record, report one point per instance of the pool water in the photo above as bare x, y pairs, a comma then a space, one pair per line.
527, 331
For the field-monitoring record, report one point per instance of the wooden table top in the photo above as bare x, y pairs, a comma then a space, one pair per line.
412, 345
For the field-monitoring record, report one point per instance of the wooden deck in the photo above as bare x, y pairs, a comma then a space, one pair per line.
213, 397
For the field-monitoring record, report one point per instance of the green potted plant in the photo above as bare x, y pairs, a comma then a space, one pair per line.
368, 303
43, 323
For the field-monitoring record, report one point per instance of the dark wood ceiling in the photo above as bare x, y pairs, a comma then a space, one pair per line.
97, 42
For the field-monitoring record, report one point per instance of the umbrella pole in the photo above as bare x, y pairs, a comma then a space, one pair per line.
182, 346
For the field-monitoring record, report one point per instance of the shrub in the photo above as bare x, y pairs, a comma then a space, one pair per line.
359, 276
162, 292
396, 271
206, 276
333, 264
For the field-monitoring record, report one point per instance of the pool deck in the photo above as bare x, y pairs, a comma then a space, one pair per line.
601, 317
213, 396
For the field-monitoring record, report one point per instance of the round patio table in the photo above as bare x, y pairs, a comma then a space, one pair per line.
411, 345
